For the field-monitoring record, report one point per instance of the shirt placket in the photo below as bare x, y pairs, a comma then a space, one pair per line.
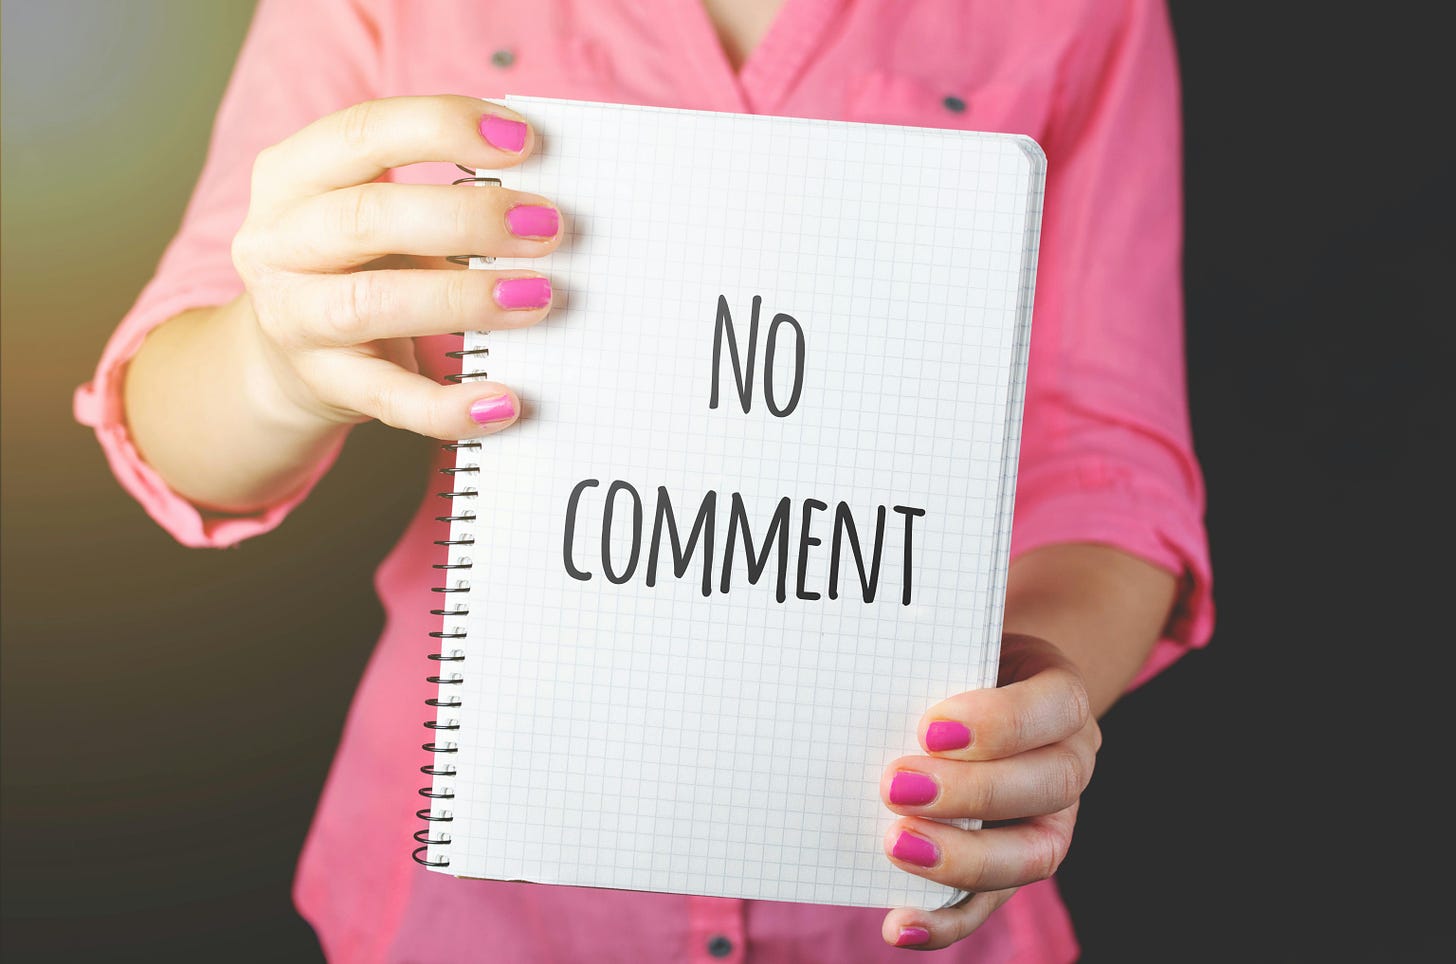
716, 930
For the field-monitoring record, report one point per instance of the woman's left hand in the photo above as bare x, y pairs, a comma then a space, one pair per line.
1017, 756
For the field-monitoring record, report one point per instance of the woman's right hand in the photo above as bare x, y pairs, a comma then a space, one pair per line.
342, 271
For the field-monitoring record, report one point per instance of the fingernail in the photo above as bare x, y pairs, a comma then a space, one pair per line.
910, 936
533, 221
915, 850
508, 135
947, 735
912, 789
495, 409
518, 293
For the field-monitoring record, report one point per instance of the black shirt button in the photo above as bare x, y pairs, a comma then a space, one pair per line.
954, 104
719, 946
503, 58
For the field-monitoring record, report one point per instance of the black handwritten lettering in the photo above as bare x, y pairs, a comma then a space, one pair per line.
773, 549
702, 526
742, 370
909, 514
738, 518
743, 367
571, 508
844, 526
768, 365
806, 542
612, 490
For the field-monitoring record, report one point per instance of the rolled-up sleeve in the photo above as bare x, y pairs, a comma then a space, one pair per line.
1107, 454
299, 62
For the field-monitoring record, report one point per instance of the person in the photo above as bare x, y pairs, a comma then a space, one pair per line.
306, 291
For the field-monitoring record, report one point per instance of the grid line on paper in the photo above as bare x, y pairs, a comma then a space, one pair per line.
621, 735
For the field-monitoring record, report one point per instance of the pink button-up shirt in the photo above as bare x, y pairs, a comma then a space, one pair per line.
1106, 455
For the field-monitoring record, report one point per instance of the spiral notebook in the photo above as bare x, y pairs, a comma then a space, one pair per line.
755, 519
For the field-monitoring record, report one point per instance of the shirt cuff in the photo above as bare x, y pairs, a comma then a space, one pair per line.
98, 403
1139, 518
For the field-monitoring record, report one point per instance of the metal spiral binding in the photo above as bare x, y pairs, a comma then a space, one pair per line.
462, 515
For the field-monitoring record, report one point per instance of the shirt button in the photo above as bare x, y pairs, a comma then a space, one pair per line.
954, 104
719, 946
503, 57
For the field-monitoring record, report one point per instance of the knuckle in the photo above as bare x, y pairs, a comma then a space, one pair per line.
1080, 702
437, 119
359, 216
435, 423
348, 311
467, 219
1020, 727
974, 867
1048, 849
357, 125
245, 250
460, 297
268, 292
983, 797
1066, 779
393, 407
265, 162
383, 404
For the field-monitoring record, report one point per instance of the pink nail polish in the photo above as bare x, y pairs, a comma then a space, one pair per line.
533, 221
910, 936
518, 293
496, 409
912, 789
508, 135
947, 735
915, 850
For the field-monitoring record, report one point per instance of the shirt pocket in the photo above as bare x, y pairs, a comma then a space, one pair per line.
885, 97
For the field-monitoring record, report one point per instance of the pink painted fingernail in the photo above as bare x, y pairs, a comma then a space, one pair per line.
533, 221
947, 735
517, 293
495, 409
915, 850
912, 789
910, 936
508, 135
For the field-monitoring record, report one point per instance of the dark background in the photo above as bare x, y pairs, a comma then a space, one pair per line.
169, 714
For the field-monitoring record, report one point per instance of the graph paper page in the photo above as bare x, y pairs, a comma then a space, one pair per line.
613, 733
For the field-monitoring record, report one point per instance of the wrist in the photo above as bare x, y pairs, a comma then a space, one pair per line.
1100, 606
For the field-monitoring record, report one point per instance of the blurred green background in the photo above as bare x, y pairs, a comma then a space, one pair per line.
169, 714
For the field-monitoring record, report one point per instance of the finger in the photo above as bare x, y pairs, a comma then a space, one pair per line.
362, 306
992, 858
1044, 703
354, 226
1033, 783
929, 930
359, 143
382, 390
